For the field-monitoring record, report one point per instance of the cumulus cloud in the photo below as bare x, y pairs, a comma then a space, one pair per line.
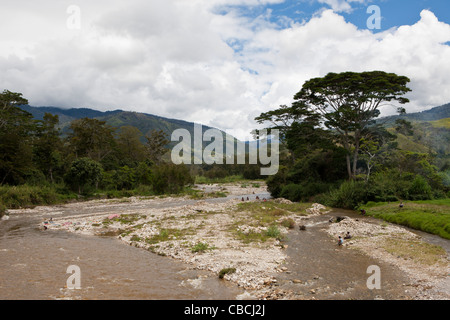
204, 60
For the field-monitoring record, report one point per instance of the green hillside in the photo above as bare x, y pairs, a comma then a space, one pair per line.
442, 123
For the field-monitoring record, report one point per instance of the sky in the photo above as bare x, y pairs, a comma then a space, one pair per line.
220, 63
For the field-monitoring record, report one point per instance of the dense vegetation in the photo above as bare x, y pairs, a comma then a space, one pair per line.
44, 162
40, 166
334, 152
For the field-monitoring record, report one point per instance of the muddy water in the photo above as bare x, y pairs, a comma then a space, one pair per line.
33, 265
318, 268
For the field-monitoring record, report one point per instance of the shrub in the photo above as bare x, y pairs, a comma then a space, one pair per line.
420, 189
288, 223
348, 196
273, 232
201, 247
170, 178
226, 271
83, 174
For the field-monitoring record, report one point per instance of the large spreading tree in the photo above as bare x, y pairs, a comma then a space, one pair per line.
349, 102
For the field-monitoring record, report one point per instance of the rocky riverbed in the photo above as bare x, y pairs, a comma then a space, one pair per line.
239, 241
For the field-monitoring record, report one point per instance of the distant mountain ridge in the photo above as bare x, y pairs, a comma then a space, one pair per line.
433, 114
117, 118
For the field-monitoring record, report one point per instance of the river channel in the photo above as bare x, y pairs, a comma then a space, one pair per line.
33, 264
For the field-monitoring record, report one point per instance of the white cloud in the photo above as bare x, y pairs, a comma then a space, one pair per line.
176, 58
341, 5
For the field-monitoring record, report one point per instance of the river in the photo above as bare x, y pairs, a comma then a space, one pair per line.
33, 263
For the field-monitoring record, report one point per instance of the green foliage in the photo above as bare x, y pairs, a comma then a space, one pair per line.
83, 173
432, 216
26, 195
170, 178
273, 232
226, 271
201, 247
348, 196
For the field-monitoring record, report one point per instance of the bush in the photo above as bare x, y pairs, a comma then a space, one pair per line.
2, 210
201, 247
288, 223
170, 178
273, 232
25, 195
293, 192
348, 196
225, 271
420, 189
83, 175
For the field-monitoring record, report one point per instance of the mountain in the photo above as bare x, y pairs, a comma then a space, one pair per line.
118, 118
431, 132
434, 114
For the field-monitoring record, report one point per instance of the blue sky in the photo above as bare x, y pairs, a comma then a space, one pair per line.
217, 62
394, 13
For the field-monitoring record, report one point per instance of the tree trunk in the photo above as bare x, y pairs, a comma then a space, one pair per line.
349, 167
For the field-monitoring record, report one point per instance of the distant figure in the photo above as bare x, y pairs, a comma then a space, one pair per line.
363, 212
340, 241
242, 199
348, 236
264, 199
401, 205
257, 198
248, 199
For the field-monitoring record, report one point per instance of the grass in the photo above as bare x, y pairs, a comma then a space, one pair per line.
201, 247
442, 123
169, 234
269, 215
16, 197
432, 216
226, 271
421, 252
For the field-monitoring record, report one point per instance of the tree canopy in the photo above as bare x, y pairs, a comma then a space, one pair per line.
348, 102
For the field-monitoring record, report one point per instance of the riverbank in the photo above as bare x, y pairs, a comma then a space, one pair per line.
426, 265
239, 239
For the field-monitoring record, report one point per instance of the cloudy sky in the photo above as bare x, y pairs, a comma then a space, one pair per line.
217, 62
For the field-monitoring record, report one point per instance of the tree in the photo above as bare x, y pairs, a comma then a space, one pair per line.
348, 102
91, 138
9, 101
48, 146
375, 146
156, 145
83, 172
132, 150
17, 128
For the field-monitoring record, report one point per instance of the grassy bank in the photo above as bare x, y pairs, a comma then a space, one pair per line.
28, 196
432, 216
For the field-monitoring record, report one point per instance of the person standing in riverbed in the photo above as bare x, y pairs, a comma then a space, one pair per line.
340, 241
